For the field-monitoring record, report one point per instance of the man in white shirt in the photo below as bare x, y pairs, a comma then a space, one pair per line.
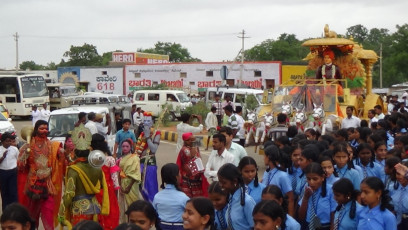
241, 130
103, 129
350, 120
235, 149
45, 113
8, 169
91, 123
184, 127
137, 120
371, 116
219, 156
211, 124
379, 112
35, 114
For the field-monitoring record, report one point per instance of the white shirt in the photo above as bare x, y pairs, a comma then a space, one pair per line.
350, 122
103, 130
36, 116
211, 121
45, 114
137, 118
185, 128
92, 127
380, 116
241, 131
215, 161
10, 162
238, 152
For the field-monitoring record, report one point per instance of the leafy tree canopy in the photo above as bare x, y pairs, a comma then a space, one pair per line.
85, 55
176, 52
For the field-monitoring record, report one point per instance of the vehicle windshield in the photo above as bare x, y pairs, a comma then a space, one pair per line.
2, 118
69, 91
124, 99
113, 99
183, 97
61, 124
34, 87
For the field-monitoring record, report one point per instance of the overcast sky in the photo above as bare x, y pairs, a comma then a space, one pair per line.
208, 29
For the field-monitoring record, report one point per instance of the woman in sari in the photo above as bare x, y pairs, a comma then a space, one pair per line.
129, 179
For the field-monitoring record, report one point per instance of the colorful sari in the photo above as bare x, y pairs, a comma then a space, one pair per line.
130, 173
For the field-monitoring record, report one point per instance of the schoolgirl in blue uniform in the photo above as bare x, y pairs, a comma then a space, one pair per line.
326, 161
249, 170
170, 202
308, 155
366, 161
269, 215
400, 200
272, 192
274, 175
295, 171
344, 165
376, 215
345, 217
317, 205
219, 199
380, 149
391, 183
240, 204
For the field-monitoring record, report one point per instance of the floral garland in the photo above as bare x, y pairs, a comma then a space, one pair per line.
141, 144
333, 70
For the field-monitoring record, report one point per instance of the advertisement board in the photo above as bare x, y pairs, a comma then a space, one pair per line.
291, 73
139, 58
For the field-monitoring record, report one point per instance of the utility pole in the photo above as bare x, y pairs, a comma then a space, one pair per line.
16, 39
242, 56
381, 66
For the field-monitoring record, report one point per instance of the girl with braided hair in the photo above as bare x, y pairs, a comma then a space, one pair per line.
240, 204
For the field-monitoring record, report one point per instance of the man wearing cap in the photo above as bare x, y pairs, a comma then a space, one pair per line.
35, 114
103, 129
328, 70
8, 169
192, 179
91, 125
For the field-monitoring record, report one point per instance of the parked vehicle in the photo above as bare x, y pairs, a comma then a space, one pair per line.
153, 100
6, 125
61, 95
4, 111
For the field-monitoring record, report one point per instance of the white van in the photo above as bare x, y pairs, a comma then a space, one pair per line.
62, 121
239, 95
153, 100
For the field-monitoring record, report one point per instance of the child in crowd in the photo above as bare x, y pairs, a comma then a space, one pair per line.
380, 149
199, 214
295, 171
391, 183
142, 214
272, 192
400, 200
344, 165
269, 215
240, 204
345, 195
249, 171
317, 205
307, 156
219, 199
377, 214
274, 175
170, 202
366, 161
326, 161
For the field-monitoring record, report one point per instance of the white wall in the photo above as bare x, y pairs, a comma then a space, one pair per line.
111, 82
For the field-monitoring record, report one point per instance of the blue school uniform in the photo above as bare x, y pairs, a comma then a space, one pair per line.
381, 162
323, 206
291, 224
367, 171
240, 216
373, 219
220, 221
255, 192
331, 179
169, 204
300, 187
400, 201
278, 178
350, 174
295, 178
343, 217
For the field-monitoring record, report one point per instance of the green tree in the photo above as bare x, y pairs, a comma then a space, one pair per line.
358, 32
85, 55
286, 48
31, 65
176, 52
107, 57
51, 66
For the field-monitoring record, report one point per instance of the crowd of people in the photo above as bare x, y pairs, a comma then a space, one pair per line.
353, 178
